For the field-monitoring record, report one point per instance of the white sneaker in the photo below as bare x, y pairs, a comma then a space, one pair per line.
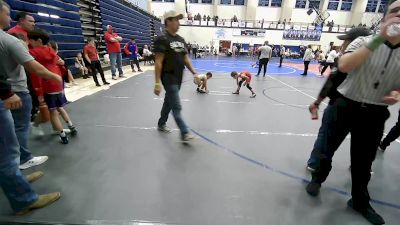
35, 161
187, 138
67, 131
37, 131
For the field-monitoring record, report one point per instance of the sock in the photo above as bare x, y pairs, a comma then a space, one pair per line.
62, 133
69, 123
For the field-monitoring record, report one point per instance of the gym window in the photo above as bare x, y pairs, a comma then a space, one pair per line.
263, 2
238, 2
301, 4
226, 2
314, 4
382, 6
333, 5
372, 5
206, 1
346, 5
276, 3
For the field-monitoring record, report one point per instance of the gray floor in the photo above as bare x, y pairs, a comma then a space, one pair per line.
246, 168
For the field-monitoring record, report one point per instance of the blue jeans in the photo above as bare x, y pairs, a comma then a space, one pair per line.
17, 190
22, 118
320, 144
172, 102
116, 60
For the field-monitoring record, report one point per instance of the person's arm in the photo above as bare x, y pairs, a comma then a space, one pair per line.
158, 70
5, 87
37, 68
188, 64
87, 57
109, 38
270, 54
78, 61
60, 62
204, 86
355, 57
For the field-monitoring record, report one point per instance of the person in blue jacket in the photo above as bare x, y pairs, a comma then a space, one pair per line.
131, 50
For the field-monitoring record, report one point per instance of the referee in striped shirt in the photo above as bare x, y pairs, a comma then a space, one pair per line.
373, 81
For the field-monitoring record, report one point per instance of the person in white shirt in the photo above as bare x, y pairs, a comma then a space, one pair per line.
148, 55
265, 55
308, 56
330, 61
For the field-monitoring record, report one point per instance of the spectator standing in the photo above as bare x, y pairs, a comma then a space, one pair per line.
15, 186
114, 50
25, 23
332, 55
171, 58
265, 56
308, 56
131, 49
282, 52
195, 48
92, 57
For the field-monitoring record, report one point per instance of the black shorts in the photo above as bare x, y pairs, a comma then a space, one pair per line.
55, 101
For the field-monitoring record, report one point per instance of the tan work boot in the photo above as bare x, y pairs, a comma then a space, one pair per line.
34, 176
43, 201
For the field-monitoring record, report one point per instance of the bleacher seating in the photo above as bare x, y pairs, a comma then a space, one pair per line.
63, 22
127, 21
66, 30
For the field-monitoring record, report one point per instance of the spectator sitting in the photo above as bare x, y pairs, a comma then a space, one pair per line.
208, 18
198, 16
235, 19
80, 64
204, 18
360, 25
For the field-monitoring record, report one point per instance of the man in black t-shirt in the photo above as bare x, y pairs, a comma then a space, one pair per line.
171, 58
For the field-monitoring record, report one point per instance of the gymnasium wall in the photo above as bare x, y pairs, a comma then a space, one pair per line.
159, 8
204, 35
268, 13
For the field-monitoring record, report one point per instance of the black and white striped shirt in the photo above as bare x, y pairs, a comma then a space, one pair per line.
376, 77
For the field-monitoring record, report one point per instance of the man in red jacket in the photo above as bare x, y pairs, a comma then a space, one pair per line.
50, 91
114, 50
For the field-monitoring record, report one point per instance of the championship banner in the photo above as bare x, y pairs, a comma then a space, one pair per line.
303, 35
235, 24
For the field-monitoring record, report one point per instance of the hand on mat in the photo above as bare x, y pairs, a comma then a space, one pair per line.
13, 102
392, 98
157, 89
314, 111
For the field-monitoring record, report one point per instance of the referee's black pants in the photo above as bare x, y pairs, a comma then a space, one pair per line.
263, 62
365, 123
393, 134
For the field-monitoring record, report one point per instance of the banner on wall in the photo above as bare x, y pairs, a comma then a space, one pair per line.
221, 34
304, 35
248, 32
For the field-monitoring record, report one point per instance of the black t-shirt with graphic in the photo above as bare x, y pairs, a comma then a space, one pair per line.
174, 50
